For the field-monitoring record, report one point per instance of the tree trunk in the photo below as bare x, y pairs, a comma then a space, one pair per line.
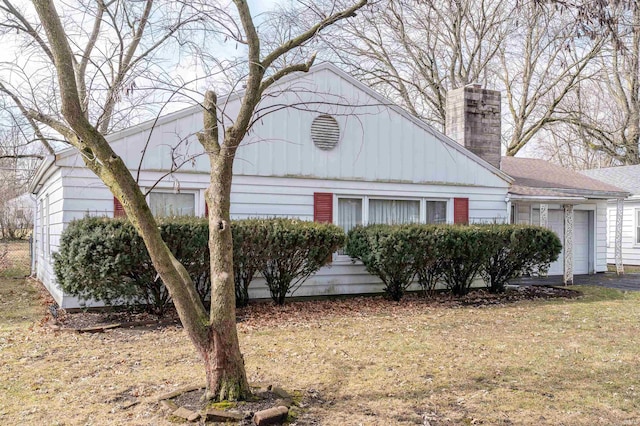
226, 377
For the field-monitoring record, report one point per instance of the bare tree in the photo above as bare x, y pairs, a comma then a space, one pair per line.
414, 52
19, 159
542, 61
605, 110
82, 115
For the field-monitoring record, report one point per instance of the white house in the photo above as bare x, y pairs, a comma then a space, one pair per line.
627, 177
323, 147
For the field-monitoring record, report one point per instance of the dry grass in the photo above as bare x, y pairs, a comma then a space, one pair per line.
628, 269
571, 362
16, 262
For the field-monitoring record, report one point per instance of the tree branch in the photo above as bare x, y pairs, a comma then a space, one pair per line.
310, 33
286, 71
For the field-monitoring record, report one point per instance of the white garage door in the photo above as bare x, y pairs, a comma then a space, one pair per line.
580, 241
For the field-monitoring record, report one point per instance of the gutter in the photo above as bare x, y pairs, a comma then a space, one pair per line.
35, 185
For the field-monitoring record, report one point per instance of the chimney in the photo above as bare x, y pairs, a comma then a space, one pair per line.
473, 120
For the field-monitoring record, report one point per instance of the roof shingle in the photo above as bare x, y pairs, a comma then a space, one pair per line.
539, 177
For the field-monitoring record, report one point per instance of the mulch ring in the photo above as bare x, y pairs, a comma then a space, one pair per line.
263, 398
261, 314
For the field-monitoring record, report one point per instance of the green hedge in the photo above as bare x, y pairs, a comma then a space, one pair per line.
249, 254
294, 250
104, 259
520, 250
452, 255
388, 252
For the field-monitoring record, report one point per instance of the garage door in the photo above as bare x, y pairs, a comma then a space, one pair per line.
580, 241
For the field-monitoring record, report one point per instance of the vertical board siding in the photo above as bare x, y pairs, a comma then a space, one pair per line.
52, 189
377, 142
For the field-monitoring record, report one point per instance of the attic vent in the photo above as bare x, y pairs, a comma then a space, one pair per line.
325, 132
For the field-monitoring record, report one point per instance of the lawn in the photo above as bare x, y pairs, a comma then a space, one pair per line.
561, 362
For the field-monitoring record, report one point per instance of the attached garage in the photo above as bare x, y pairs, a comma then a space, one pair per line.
551, 196
583, 240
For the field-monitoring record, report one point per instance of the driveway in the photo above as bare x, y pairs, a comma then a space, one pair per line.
630, 282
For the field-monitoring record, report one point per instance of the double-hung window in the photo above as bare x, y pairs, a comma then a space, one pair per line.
165, 204
436, 211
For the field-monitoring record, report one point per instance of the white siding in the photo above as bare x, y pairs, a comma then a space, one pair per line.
51, 191
256, 196
630, 250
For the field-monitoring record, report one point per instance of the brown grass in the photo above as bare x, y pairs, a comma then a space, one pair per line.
562, 362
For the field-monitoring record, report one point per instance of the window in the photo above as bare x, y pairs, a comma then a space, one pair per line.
42, 226
353, 211
47, 224
436, 212
164, 204
349, 213
394, 212
637, 226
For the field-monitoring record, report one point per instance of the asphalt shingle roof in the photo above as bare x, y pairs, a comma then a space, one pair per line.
542, 178
626, 177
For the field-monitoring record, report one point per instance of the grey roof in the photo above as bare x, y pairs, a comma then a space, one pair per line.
535, 177
626, 177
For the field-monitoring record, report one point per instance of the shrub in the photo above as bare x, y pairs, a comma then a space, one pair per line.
105, 259
390, 252
519, 250
462, 251
428, 260
249, 255
188, 240
293, 250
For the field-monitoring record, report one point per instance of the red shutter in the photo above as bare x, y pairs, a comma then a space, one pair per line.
461, 210
118, 209
323, 207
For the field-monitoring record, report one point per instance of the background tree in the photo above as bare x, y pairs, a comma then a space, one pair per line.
541, 62
93, 79
414, 52
19, 159
603, 113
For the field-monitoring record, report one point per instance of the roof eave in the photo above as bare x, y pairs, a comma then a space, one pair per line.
34, 185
